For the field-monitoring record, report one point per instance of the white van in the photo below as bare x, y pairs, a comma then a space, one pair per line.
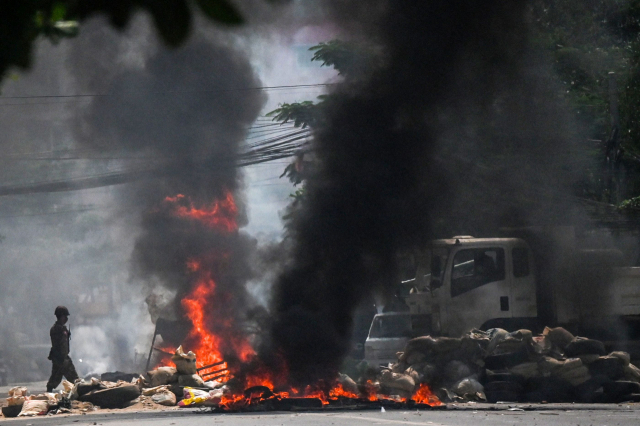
389, 334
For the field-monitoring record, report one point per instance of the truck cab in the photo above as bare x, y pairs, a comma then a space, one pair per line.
467, 282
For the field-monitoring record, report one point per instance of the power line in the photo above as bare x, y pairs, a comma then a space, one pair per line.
241, 89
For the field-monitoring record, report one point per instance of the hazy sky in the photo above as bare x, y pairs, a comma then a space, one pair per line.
62, 248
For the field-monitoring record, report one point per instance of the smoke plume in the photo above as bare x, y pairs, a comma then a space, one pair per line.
459, 118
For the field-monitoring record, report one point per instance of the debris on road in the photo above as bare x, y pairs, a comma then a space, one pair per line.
496, 365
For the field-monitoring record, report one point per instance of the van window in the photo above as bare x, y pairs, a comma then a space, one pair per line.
473, 268
520, 262
386, 326
391, 326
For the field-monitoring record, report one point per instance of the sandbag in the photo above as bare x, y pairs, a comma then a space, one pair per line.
526, 370
51, 398
164, 397
632, 373
455, 371
572, 371
15, 400
162, 376
414, 357
496, 335
623, 356
154, 390
558, 336
507, 360
185, 362
608, 366
514, 342
422, 344
443, 345
467, 386
34, 408
415, 375
583, 346
190, 380
397, 381
348, 384
67, 386
18, 391
17, 395
588, 358
549, 365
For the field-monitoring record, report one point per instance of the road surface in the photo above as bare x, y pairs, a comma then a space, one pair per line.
467, 415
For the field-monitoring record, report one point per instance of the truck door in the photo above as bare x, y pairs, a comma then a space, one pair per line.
523, 288
478, 289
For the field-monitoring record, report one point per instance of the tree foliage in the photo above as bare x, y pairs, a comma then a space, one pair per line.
347, 58
23, 21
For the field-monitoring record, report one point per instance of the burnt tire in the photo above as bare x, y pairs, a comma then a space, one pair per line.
503, 361
11, 410
85, 388
113, 397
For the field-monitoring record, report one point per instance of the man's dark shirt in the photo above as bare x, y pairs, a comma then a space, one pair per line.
59, 341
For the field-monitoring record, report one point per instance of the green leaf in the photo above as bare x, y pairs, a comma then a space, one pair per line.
221, 11
58, 12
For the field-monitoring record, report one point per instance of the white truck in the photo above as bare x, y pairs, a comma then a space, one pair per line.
464, 282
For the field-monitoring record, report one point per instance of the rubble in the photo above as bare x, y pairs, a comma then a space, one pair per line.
493, 365
516, 367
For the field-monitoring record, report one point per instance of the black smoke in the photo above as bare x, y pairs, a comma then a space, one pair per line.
457, 131
182, 114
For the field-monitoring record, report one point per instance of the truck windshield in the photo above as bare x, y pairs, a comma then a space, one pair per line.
391, 326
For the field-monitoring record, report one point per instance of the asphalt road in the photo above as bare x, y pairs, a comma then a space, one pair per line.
609, 415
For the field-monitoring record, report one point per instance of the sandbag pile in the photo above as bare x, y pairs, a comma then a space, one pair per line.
21, 404
496, 365
182, 381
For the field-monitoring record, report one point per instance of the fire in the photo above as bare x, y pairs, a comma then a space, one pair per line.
221, 214
205, 305
339, 391
424, 396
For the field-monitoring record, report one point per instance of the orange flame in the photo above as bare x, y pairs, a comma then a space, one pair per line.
208, 345
221, 214
424, 396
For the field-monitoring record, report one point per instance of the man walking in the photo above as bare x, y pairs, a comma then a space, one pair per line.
59, 354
